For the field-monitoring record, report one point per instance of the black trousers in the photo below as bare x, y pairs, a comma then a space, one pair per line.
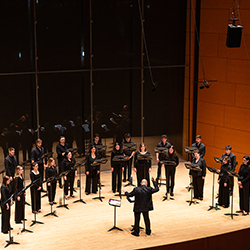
223, 194
244, 197
127, 168
159, 170
19, 209
41, 170
116, 178
142, 173
51, 191
170, 178
60, 170
35, 198
5, 219
198, 184
91, 178
67, 183
146, 221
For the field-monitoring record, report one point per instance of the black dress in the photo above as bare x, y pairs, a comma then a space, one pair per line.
170, 172
35, 194
198, 181
92, 176
19, 207
117, 172
49, 172
142, 167
5, 194
127, 164
244, 192
68, 165
224, 191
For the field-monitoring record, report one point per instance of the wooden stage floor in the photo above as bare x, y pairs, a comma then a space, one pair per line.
84, 226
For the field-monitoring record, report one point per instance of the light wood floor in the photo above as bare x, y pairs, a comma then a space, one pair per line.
84, 226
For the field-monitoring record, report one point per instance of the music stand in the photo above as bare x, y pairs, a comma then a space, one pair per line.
73, 150
65, 173
79, 164
168, 164
96, 163
160, 150
115, 203
190, 150
35, 221
218, 160
213, 171
50, 179
120, 158
193, 168
236, 175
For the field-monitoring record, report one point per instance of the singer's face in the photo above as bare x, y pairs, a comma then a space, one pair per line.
245, 161
117, 147
228, 151
224, 161
196, 155
164, 140
171, 151
198, 140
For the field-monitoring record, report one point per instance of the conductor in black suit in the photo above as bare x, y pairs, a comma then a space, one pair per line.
143, 204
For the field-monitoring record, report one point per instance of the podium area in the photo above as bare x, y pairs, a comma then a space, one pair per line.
85, 226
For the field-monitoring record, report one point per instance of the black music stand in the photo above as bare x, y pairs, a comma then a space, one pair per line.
146, 157
160, 150
96, 163
129, 147
218, 160
120, 158
73, 150
50, 179
236, 175
101, 150
115, 203
190, 150
213, 171
79, 164
193, 168
35, 221
11, 239
168, 164
65, 173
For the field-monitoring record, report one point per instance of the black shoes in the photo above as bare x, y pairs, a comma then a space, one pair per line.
60, 186
171, 194
135, 234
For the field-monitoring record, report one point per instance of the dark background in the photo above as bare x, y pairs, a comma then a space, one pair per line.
62, 36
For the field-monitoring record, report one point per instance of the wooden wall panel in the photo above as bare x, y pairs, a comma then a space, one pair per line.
212, 152
242, 96
237, 118
209, 44
210, 113
207, 132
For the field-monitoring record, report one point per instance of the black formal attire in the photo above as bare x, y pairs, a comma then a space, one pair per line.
92, 176
142, 167
19, 205
117, 172
127, 164
170, 172
224, 191
161, 156
201, 147
233, 165
143, 204
36, 155
10, 163
60, 149
198, 182
5, 195
244, 172
68, 165
49, 172
35, 194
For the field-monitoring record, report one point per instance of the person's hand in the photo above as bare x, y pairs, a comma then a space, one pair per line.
149, 170
225, 184
98, 172
44, 166
39, 188
24, 194
190, 176
122, 169
157, 160
65, 177
135, 169
18, 198
7, 206
75, 173
63, 154
241, 186
87, 173
218, 181
112, 169
152, 179
49, 184
11, 178
239, 183
203, 177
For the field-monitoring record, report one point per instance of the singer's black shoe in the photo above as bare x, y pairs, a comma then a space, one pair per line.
135, 234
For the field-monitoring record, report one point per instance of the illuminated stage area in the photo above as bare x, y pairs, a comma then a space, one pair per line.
85, 226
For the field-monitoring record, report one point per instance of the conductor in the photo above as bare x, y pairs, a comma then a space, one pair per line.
143, 204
